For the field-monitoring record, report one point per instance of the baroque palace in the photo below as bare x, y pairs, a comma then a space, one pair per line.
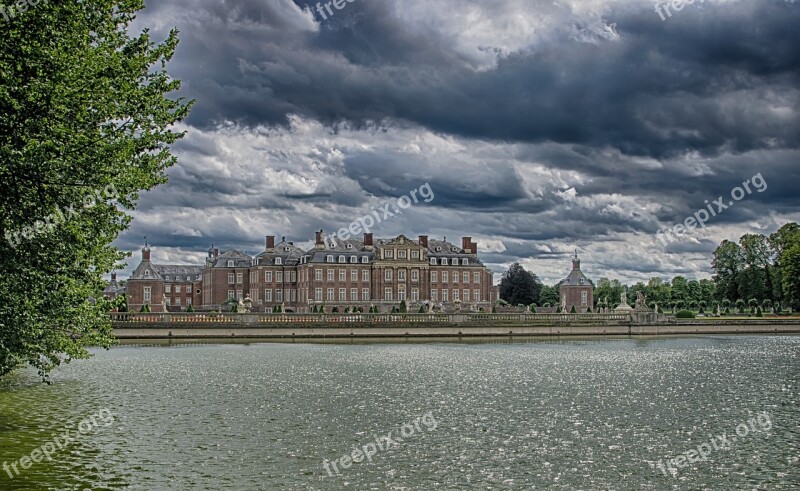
334, 273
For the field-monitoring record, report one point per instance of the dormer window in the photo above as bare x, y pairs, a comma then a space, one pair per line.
455, 249
389, 254
328, 259
433, 260
278, 261
581, 281
342, 259
464, 261
444, 261
349, 246
146, 273
353, 259
286, 249
364, 259
438, 248
230, 264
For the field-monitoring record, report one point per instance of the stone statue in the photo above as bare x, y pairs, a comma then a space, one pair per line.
244, 305
641, 301
563, 303
624, 299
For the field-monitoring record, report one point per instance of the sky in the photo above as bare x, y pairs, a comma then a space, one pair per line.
540, 127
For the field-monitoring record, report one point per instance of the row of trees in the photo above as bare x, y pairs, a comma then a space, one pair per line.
758, 271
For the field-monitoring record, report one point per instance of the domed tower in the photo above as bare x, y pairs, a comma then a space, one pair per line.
576, 290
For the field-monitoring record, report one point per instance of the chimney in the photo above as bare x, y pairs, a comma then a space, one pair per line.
475, 248
466, 244
114, 277
423, 241
270, 243
368, 241
320, 241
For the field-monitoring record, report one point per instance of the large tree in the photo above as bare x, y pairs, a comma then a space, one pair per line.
85, 125
727, 264
519, 286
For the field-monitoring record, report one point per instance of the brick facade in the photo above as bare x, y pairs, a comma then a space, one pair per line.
576, 290
334, 273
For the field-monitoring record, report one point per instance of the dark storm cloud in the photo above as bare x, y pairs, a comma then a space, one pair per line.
696, 82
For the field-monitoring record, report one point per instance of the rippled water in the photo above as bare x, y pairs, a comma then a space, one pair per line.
546, 415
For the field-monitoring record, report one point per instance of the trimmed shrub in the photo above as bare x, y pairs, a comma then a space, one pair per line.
403, 307
572, 310
347, 310
660, 310
533, 308
233, 309
421, 310
335, 310
685, 314
759, 313
189, 309
494, 310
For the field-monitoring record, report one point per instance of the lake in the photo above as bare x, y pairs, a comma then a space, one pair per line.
708, 412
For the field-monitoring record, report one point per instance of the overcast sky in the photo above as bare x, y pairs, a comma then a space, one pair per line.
541, 127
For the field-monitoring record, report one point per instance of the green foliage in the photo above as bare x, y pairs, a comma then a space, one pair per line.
82, 112
759, 313
394, 310
549, 296
519, 286
233, 309
790, 262
403, 307
573, 310
335, 310
422, 310
347, 310
189, 309
685, 314
494, 309
533, 308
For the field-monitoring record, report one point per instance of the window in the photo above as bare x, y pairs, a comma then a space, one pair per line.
278, 295
278, 276
415, 294
189, 301
268, 295
414, 254
342, 275
401, 254
401, 275
342, 259
353, 275
318, 294
389, 254
455, 276
239, 278
177, 288
231, 278
353, 259
435, 295
415, 275
354, 294
455, 295
328, 259
318, 274
466, 277
365, 275
147, 294
146, 273
294, 276
434, 277
167, 288
388, 276
584, 298
445, 275
168, 301
231, 293
178, 302
466, 295
433, 260
342, 294
464, 261
401, 294
387, 294
330, 275
239, 295
349, 246
230, 264
476, 278
268, 277
444, 261
365, 294
330, 294
476, 295
444, 295
364, 259
581, 281
294, 295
